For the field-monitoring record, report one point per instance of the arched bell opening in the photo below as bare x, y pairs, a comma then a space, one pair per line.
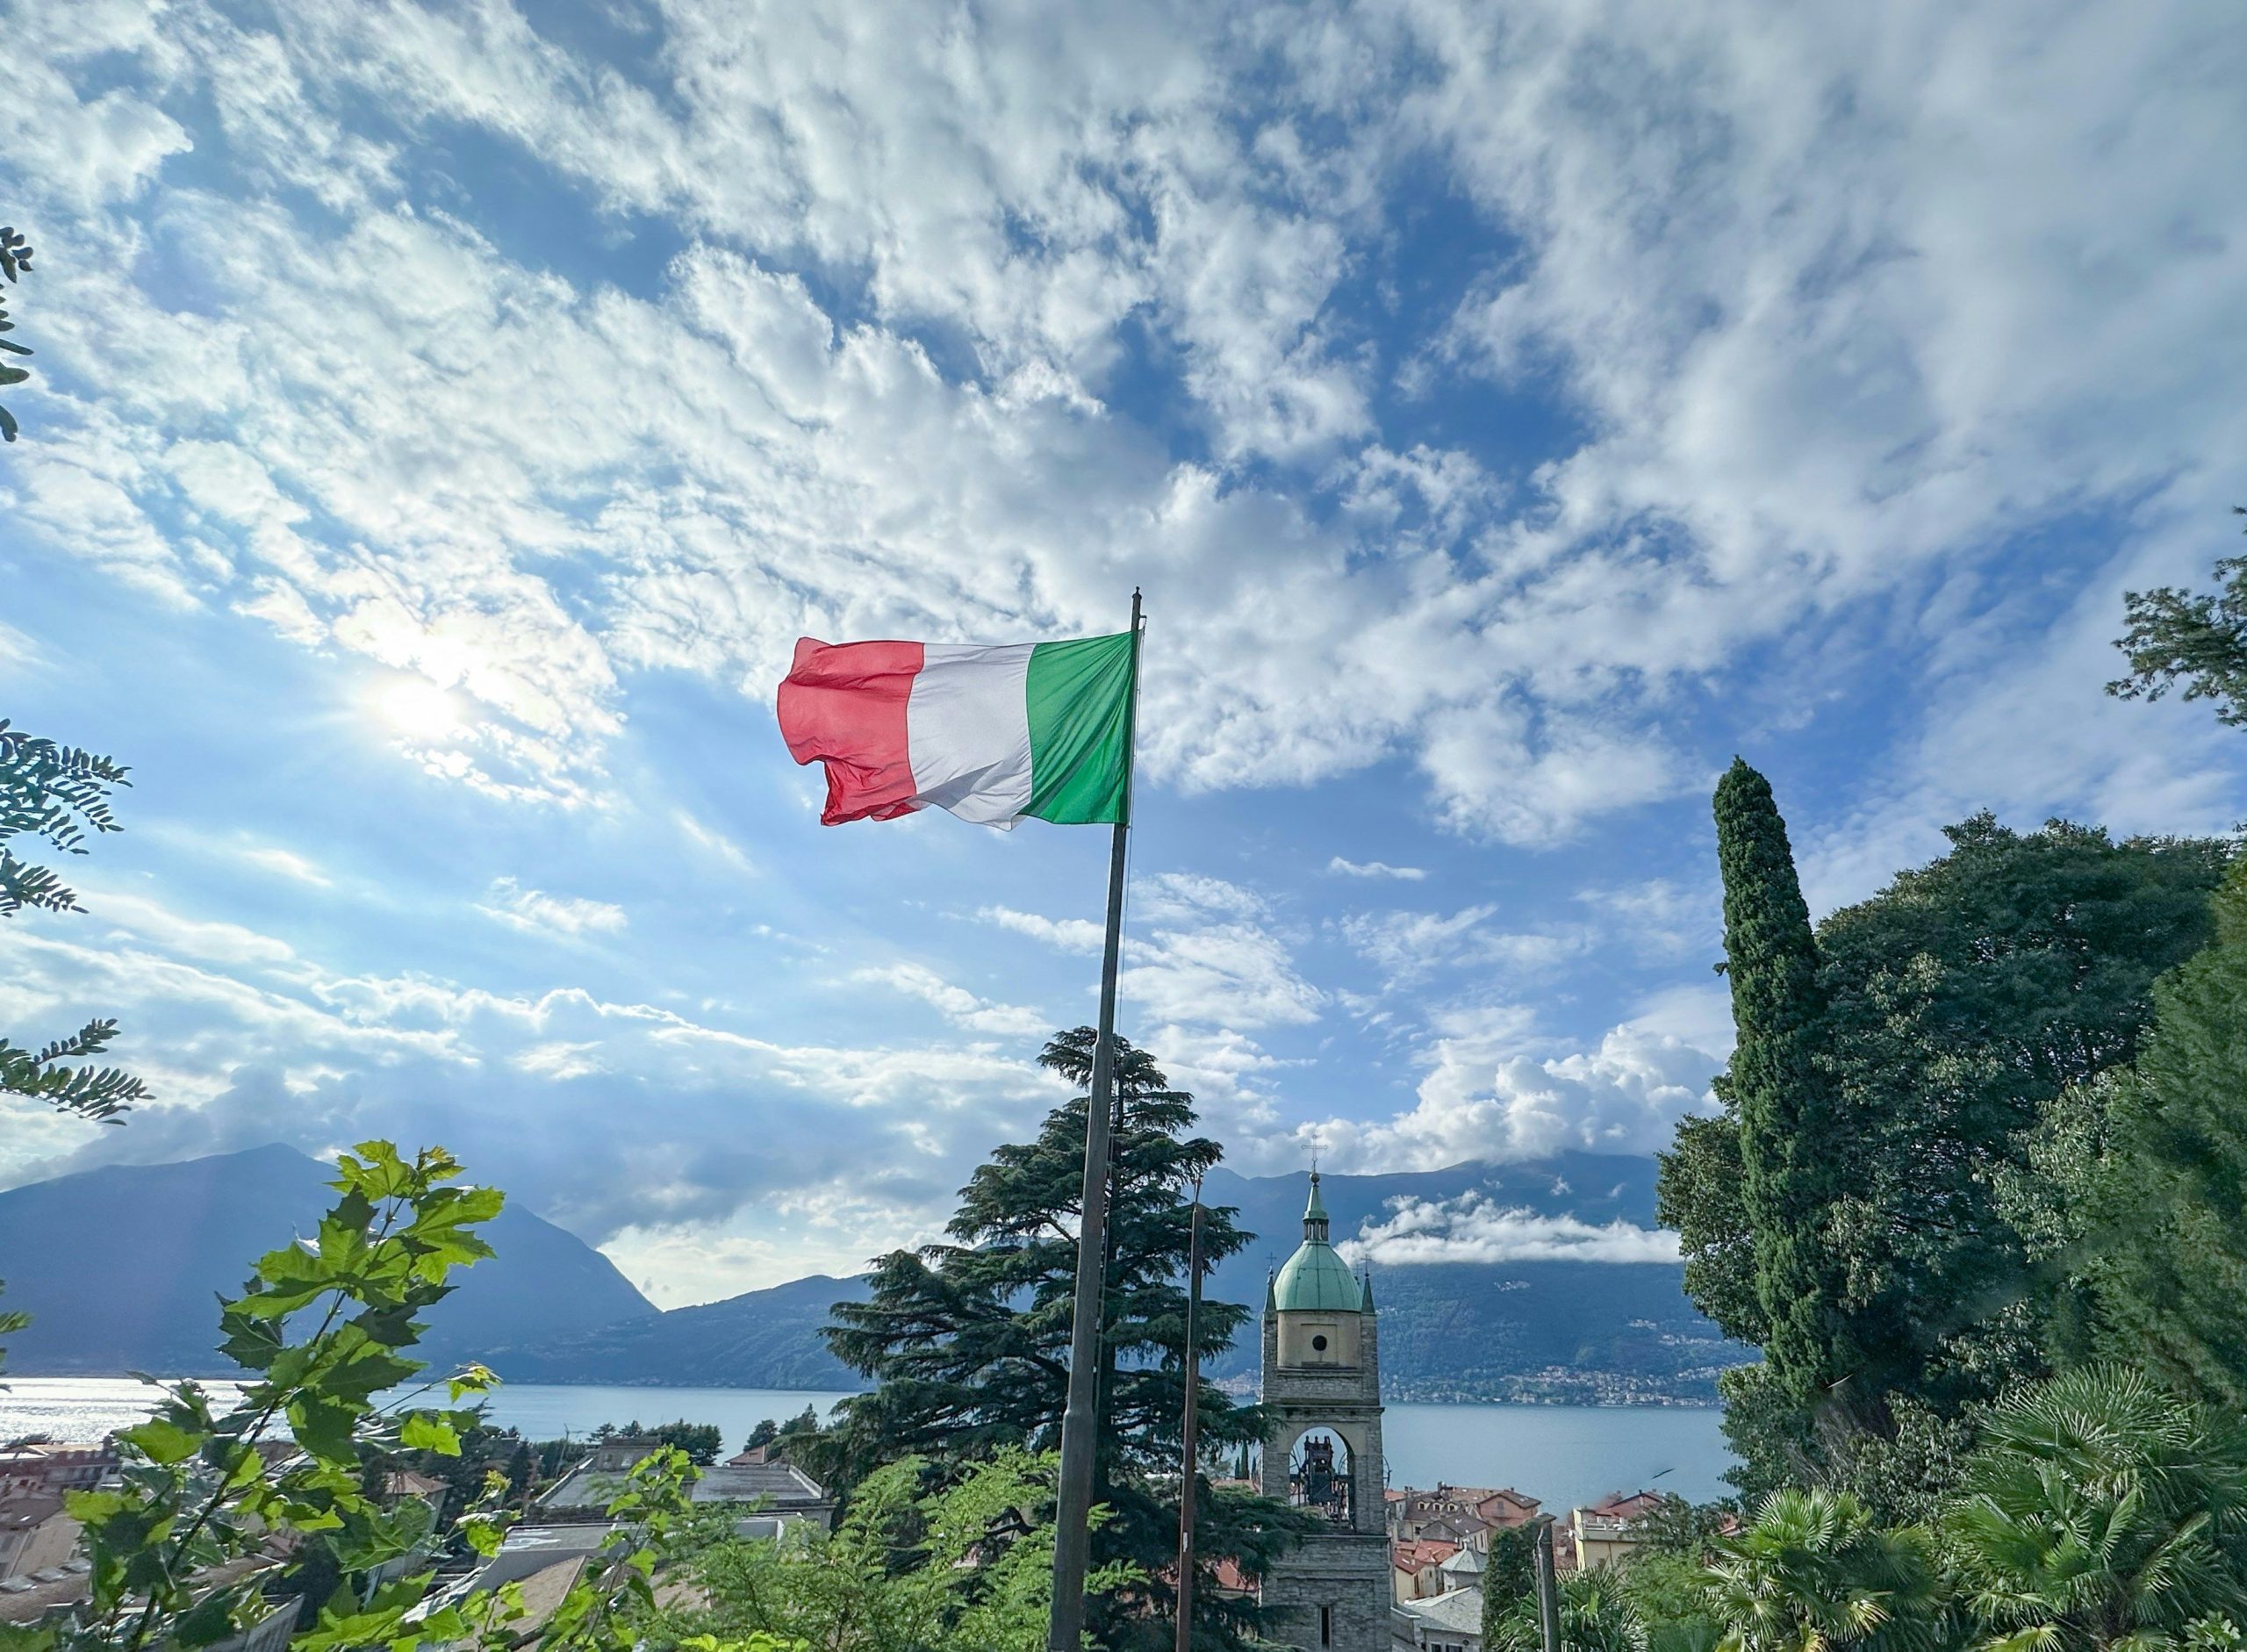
1319, 1477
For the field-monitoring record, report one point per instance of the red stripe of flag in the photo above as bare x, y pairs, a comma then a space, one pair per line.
844, 705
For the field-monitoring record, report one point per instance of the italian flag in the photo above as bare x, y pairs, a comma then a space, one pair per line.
994, 734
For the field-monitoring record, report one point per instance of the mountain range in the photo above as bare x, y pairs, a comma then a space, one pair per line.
118, 1268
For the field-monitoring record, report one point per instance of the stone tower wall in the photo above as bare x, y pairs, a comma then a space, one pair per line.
1344, 1570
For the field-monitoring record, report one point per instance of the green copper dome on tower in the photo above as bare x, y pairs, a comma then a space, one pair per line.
1314, 1278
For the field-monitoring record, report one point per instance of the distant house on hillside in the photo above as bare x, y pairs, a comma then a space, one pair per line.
778, 1492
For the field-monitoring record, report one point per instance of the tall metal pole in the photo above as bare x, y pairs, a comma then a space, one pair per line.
1080, 1421
1549, 1584
1190, 1444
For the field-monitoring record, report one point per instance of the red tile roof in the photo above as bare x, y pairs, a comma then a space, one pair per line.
1411, 1556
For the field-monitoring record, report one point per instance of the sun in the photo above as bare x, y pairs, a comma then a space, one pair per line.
416, 706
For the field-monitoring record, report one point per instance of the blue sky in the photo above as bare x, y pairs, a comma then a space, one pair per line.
448, 418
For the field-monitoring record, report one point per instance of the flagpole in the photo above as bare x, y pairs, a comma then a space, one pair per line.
1190, 1445
1080, 1422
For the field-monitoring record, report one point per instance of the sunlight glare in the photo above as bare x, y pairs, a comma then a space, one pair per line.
416, 706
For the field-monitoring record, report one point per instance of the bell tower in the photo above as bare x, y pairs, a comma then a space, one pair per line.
1322, 1393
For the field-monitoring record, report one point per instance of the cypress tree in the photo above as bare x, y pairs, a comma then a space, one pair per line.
1784, 1101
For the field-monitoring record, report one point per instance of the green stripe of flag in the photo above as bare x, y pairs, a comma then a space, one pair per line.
1080, 696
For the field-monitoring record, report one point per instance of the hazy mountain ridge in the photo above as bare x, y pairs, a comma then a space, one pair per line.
119, 1266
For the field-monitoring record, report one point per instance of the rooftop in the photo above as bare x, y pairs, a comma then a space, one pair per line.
778, 1484
1315, 1279
1457, 1610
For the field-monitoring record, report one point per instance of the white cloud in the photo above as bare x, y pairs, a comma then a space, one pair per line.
535, 909
957, 1004
715, 841
1407, 947
1340, 867
1485, 1097
287, 863
1198, 951
1070, 935
1474, 1228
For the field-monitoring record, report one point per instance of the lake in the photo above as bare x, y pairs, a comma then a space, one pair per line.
1563, 1454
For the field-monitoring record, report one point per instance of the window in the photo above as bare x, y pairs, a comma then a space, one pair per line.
1326, 1625
1319, 1344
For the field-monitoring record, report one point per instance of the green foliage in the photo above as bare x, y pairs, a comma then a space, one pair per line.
197, 1495
1669, 1593
1597, 1614
2176, 636
2138, 1186
15, 263
968, 1341
1509, 1576
924, 1560
764, 1435
700, 1441
57, 794
1812, 1571
1698, 1193
1959, 1003
1783, 1101
2101, 1511
1683, 1529
1965, 997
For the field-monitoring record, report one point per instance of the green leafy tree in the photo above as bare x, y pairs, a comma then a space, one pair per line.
1960, 1001
57, 794
2100, 1512
1670, 1591
1676, 1525
926, 1560
1509, 1577
967, 1343
1812, 1572
2179, 636
1964, 997
196, 1497
1597, 1614
2141, 1183
15, 263
700, 1441
764, 1435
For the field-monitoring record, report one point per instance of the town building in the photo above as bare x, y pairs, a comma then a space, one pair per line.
35, 1535
1462, 1568
772, 1495
36, 1466
1466, 1515
1448, 1622
1332, 1592
1415, 1568
1608, 1533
